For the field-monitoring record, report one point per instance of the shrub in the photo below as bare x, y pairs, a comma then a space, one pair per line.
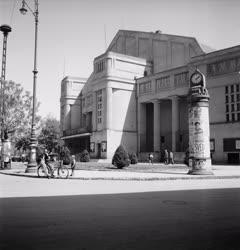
120, 158
133, 158
84, 156
78, 157
65, 155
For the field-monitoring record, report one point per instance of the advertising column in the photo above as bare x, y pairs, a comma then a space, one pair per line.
198, 117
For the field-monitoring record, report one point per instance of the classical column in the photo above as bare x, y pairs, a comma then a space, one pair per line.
138, 126
108, 110
175, 122
156, 125
141, 127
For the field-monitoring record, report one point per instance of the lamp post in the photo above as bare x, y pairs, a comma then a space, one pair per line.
5, 29
32, 165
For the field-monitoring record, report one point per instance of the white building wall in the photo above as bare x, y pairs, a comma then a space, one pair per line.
124, 110
70, 102
75, 116
127, 139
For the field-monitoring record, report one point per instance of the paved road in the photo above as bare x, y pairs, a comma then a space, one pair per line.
194, 219
72, 214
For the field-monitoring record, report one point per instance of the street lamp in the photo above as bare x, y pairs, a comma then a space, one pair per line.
5, 30
32, 165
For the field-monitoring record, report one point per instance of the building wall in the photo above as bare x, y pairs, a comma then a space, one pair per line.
162, 65
70, 103
217, 104
98, 137
127, 139
221, 69
165, 51
114, 77
218, 132
124, 110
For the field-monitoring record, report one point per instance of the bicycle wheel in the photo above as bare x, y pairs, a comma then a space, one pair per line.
41, 172
63, 172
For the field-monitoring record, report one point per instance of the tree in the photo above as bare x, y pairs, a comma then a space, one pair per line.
18, 111
49, 136
120, 158
23, 143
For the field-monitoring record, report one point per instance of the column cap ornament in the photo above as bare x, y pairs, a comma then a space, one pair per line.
198, 90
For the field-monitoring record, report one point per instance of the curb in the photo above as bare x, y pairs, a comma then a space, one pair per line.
134, 178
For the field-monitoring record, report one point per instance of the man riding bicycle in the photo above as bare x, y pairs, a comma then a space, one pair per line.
46, 158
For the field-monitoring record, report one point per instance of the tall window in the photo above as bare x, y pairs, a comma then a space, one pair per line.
100, 66
232, 102
99, 106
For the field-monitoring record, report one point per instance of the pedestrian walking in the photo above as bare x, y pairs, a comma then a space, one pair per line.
166, 159
171, 160
73, 164
150, 158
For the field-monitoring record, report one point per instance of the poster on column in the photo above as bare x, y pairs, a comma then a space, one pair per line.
199, 145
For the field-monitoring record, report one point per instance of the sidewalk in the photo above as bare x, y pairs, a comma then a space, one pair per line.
176, 172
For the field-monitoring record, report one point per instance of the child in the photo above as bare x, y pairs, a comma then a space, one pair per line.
171, 160
150, 158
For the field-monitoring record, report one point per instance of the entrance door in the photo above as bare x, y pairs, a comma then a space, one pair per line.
99, 150
233, 158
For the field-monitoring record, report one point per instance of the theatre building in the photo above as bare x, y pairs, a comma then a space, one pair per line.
137, 96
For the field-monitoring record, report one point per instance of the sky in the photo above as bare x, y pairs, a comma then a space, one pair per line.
73, 32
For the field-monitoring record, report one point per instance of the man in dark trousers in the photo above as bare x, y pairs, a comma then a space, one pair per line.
166, 156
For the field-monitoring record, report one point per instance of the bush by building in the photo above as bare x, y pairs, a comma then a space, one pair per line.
133, 158
85, 157
120, 158
65, 155
78, 157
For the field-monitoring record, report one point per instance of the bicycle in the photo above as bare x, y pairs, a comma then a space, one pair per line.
45, 170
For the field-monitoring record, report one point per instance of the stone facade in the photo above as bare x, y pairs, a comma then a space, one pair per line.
137, 96
103, 114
